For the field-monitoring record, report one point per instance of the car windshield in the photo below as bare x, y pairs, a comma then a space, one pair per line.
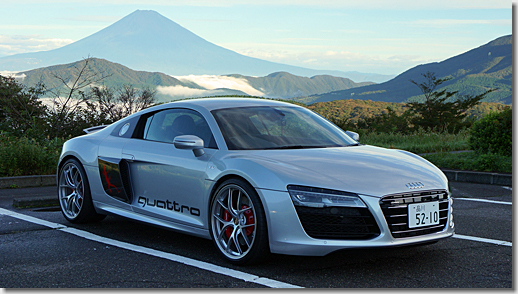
277, 127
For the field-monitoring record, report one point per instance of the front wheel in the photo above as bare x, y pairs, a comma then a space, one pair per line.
74, 195
238, 223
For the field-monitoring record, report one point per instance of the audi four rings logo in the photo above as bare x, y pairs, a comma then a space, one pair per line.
415, 185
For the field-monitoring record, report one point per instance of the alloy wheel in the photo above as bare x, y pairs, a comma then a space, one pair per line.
71, 190
233, 221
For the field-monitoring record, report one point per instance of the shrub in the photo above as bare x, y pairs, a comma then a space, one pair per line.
24, 156
493, 133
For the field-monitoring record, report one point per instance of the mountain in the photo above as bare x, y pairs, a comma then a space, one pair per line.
275, 85
116, 75
286, 85
473, 72
146, 40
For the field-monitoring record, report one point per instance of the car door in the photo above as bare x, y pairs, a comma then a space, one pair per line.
111, 191
170, 183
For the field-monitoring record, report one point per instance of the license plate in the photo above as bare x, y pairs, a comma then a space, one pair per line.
423, 214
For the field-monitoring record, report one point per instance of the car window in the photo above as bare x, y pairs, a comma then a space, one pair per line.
264, 127
165, 125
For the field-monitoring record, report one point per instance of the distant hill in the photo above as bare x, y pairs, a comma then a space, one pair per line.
117, 75
286, 85
473, 72
146, 40
275, 85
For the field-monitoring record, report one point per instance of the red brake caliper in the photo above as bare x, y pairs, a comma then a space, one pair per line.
249, 220
227, 217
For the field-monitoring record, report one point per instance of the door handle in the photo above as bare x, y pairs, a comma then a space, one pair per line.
128, 157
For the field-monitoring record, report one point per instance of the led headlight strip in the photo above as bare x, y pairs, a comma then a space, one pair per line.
319, 198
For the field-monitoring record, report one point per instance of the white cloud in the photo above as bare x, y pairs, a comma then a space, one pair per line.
181, 91
441, 23
343, 60
13, 74
14, 44
212, 82
213, 85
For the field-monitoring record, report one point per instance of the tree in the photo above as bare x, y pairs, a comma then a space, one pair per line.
21, 110
128, 101
389, 122
440, 111
67, 104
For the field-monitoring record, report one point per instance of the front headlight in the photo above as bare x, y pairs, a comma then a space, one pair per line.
316, 197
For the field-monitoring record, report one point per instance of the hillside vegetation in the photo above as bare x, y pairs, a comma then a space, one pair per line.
361, 109
471, 73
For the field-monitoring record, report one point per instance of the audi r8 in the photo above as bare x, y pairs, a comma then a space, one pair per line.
256, 176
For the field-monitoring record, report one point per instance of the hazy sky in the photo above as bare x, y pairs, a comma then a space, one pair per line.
371, 36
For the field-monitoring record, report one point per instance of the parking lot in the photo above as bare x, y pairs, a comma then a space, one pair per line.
39, 249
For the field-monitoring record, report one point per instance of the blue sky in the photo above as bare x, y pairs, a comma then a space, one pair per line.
371, 36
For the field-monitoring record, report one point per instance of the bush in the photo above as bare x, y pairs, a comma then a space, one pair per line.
493, 133
24, 156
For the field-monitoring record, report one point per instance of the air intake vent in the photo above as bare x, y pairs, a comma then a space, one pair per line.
343, 223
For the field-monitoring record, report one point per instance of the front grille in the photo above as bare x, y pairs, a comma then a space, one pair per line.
395, 209
343, 223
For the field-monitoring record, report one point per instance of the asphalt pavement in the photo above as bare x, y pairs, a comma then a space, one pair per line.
39, 249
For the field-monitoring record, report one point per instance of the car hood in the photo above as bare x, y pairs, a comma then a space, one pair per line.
366, 170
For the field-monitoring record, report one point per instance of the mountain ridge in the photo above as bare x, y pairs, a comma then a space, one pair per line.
274, 85
472, 73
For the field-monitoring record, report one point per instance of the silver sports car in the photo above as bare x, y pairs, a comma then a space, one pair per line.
256, 176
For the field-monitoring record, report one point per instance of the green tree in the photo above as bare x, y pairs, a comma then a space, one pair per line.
389, 122
440, 111
21, 110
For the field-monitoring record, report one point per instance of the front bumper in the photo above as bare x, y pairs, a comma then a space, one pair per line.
287, 235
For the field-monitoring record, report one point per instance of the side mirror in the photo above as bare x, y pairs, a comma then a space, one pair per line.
353, 135
191, 142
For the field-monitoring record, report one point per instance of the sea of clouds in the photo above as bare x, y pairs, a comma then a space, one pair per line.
211, 85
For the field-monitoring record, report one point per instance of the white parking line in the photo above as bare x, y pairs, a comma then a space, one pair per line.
173, 257
484, 200
478, 239
508, 188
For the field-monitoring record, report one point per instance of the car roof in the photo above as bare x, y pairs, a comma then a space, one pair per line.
224, 102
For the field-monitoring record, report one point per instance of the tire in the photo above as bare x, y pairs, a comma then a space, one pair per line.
238, 223
74, 194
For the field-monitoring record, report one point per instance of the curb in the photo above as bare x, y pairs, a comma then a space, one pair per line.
42, 201
479, 177
27, 181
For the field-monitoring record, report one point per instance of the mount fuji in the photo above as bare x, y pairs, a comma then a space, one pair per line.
146, 40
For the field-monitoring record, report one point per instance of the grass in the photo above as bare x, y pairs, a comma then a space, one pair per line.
419, 142
472, 161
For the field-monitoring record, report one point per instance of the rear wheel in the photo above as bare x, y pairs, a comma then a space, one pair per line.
74, 195
238, 223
